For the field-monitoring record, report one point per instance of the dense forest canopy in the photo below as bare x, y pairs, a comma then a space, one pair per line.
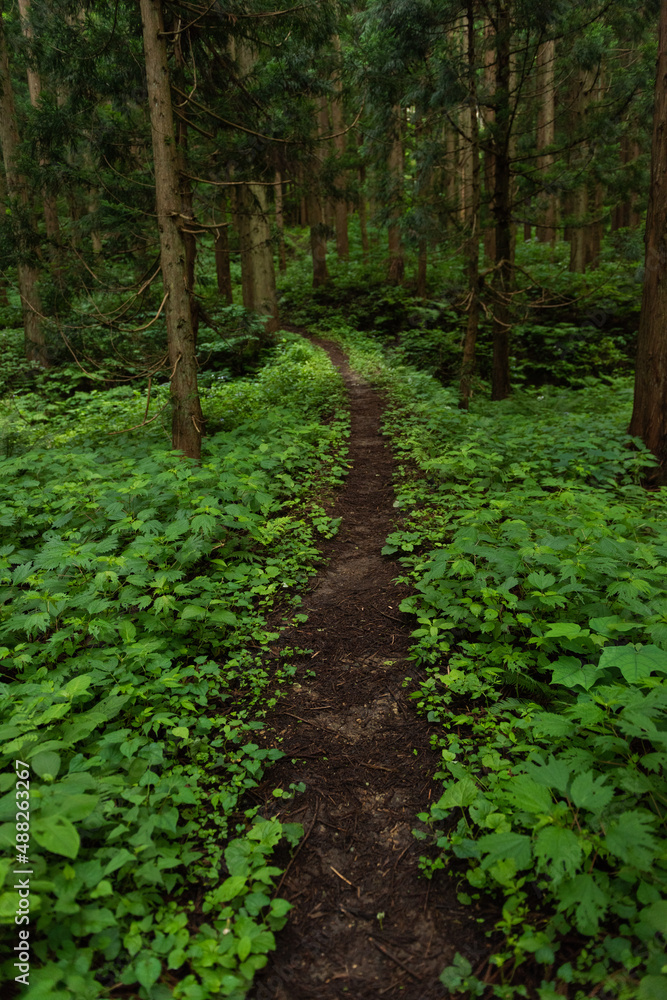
468, 202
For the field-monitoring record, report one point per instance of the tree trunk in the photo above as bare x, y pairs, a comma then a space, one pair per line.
261, 258
280, 223
318, 241
489, 156
363, 215
20, 201
472, 241
649, 415
340, 142
579, 205
546, 116
243, 214
503, 274
187, 420
223, 271
51, 220
395, 167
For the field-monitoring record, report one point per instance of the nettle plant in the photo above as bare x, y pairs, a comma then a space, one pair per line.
134, 592
538, 566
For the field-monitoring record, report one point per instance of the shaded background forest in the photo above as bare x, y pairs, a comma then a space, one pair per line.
471, 177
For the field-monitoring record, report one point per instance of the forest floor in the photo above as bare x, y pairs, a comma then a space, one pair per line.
364, 923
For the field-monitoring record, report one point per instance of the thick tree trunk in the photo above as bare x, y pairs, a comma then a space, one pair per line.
546, 119
503, 275
19, 194
280, 223
649, 416
187, 420
472, 242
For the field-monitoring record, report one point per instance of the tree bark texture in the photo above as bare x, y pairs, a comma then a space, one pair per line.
223, 271
19, 194
340, 142
649, 415
50, 203
280, 223
547, 219
395, 196
472, 241
489, 155
503, 274
187, 420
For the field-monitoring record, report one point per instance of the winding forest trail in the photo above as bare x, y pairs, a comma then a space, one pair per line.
364, 924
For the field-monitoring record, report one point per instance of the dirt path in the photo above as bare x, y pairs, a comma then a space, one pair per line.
364, 924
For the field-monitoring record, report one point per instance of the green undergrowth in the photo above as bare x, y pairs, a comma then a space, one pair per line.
538, 564
134, 598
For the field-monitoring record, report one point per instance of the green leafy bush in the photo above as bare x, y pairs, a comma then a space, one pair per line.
135, 587
538, 564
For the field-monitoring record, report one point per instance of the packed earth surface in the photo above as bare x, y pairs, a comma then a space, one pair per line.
364, 924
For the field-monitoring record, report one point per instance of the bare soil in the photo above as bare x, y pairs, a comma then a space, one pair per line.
365, 923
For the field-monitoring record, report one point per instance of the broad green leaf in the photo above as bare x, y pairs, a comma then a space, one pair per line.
147, 970
230, 888
586, 899
630, 838
462, 793
563, 630
77, 685
528, 795
635, 662
559, 850
243, 948
506, 846
589, 792
46, 763
652, 988
58, 835
571, 672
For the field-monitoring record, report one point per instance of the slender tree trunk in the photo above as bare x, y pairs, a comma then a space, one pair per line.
649, 416
4, 299
187, 420
395, 167
261, 258
472, 242
579, 204
502, 208
185, 190
489, 155
21, 207
546, 118
51, 220
363, 214
243, 200
280, 223
340, 143
318, 241
223, 270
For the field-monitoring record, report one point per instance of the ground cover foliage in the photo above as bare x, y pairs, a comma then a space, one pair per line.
135, 591
538, 562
